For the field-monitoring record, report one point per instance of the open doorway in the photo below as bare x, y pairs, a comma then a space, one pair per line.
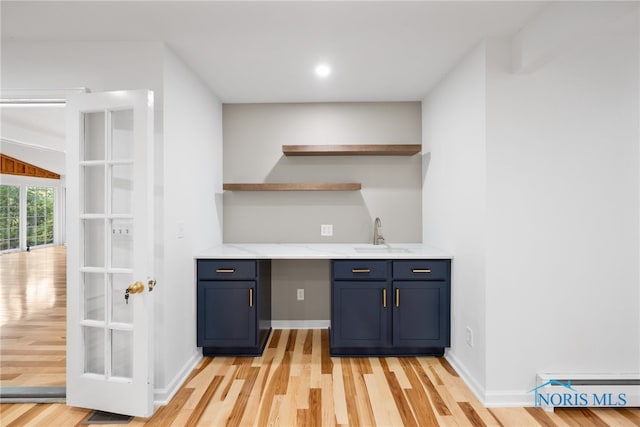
33, 318
32, 246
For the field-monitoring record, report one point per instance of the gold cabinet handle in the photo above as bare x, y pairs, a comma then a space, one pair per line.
421, 270
397, 297
250, 297
226, 270
361, 270
384, 298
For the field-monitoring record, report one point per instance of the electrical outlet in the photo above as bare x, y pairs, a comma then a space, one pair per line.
300, 294
469, 336
326, 230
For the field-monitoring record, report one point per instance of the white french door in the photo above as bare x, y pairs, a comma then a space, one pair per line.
110, 248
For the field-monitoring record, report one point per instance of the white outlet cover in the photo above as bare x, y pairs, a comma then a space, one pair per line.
469, 337
326, 230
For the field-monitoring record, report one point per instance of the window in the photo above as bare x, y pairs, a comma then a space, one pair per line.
9, 217
28, 216
39, 216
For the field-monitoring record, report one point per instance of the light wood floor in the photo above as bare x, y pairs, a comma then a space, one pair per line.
32, 317
294, 382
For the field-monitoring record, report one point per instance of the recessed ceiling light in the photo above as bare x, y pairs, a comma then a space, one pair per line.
323, 70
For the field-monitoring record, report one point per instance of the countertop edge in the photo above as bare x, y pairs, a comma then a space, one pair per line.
319, 251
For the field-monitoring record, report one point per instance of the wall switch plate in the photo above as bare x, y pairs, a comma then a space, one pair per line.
326, 230
121, 230
300, 294
469, 337
180, 231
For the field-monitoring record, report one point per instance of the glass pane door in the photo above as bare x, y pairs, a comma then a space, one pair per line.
110, 247
106, 162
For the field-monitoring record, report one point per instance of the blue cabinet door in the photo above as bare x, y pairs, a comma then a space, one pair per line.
226, 313
421, 314
359, 316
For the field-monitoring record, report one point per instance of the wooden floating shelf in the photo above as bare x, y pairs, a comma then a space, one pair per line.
352, 150
348, 186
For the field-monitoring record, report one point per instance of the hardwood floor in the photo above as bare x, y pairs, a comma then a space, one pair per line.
32, 318
296, 383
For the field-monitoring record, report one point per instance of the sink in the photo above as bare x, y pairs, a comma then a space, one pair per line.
382, 250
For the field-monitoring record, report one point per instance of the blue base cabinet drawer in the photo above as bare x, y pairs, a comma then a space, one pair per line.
233, 306
398, 307
360, 269
422, 270
226, 269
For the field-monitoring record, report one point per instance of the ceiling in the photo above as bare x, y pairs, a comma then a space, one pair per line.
266, 51
34, 123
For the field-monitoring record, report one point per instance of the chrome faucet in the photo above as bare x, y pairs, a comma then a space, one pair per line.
377, 235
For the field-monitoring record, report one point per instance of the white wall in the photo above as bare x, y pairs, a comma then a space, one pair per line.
192, 211
454, 201
391, 186
253, 139
563, 210
556, 256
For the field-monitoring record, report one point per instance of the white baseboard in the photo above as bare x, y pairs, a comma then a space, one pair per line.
300, 324
476, 388
489, 399
162, 396
508, 399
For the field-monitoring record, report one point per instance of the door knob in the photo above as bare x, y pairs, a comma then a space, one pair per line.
136, 288
133, 289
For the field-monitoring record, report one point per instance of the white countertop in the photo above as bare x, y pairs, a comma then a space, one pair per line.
322, 251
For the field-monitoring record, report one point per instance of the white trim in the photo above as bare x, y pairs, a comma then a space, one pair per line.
39, 147
489, 399
476, 388
38, 96
509, 399
300, 324
162, 396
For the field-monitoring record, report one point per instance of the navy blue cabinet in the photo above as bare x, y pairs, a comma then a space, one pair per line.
234, 306
364, 319
390, 307
421, 314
